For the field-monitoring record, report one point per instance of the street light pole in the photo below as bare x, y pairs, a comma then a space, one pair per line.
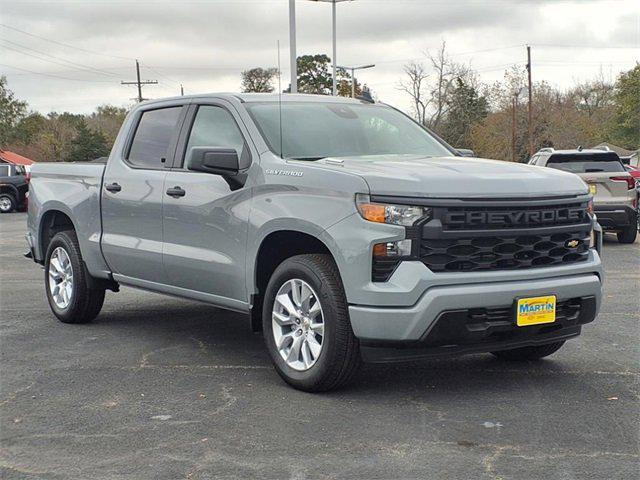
334, 60
353, 76
293, 61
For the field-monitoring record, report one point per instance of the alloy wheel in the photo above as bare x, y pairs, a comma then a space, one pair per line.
60, 278
298, 324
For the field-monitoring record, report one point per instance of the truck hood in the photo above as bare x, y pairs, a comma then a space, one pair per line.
456, 177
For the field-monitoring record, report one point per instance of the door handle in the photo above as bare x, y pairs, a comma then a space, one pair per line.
176, 192
113, 187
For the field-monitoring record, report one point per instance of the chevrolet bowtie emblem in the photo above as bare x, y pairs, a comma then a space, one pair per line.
573, 243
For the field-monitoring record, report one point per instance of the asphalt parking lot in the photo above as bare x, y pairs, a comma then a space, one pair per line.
161, 388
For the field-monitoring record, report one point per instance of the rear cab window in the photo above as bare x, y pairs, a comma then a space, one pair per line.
154, 134
586, 163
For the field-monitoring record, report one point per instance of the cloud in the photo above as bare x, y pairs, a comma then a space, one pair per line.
206, 44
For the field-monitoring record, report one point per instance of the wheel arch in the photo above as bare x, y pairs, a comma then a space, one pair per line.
51, 222
275, 248
9, 188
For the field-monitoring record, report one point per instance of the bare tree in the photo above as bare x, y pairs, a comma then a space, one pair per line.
447, 72
593, 95
415, 85
258, 79
431, 93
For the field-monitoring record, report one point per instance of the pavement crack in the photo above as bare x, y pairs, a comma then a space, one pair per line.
14, 395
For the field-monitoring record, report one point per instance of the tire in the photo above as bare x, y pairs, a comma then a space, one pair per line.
83, 303
339, 357
8, 203
529, 353
628, 235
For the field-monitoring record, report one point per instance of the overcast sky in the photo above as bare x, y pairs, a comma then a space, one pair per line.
206, 44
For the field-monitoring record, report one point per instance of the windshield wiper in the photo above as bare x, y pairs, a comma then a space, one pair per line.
310, 159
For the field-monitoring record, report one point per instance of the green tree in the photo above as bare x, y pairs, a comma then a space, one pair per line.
315, 76
259, 80
107, 119
626, 129
11, 112
87, 145
466, 108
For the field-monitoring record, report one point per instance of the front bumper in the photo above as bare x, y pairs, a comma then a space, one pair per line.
612, 217
376, 325
477, 330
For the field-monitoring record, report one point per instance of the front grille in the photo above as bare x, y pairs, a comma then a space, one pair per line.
509, 217
503, 252
505, 235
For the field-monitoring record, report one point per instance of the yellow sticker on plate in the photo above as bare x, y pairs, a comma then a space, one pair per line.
536, 310
593, 189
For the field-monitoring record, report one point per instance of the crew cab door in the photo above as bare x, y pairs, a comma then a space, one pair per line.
132, 194
205, 214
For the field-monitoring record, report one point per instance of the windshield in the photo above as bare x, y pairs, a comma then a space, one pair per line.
586, 163
317, 130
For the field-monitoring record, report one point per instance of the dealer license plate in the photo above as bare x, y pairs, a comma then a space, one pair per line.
536, 310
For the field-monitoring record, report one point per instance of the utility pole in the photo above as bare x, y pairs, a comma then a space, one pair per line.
181, 90
139, 82
293, 60
531, 152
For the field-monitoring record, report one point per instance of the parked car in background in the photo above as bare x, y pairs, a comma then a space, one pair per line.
14, 188
613, 188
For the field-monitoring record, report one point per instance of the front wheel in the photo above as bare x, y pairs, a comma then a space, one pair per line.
529, 353
306, 324
67, 281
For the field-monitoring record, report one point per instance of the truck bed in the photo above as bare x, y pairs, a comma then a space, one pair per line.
74, 189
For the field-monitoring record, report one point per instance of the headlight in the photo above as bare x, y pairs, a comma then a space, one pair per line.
405, 215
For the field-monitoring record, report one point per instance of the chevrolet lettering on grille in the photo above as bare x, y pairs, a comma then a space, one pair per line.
518, 217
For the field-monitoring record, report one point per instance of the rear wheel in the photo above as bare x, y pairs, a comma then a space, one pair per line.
628, 235
529, 353
67, 281
7, 203
306, 324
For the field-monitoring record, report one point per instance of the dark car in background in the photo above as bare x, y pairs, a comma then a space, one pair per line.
14, 187
615, 198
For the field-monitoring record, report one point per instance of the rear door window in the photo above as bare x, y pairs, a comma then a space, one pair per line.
586, 163
4, 170
155, 133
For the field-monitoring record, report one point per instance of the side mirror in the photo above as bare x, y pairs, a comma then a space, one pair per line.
216, 160
465, 152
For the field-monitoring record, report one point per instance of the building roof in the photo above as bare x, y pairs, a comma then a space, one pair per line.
623, 152
14, 158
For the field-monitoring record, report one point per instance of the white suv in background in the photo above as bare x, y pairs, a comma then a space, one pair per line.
613, 188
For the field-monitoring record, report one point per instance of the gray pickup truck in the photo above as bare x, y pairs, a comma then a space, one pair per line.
342, 228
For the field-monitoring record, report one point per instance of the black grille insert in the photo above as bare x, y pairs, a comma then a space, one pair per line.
504, 251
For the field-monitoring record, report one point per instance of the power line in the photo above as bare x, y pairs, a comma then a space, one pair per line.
159, 74
84, 67
64, 44
46, 59
54, 76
